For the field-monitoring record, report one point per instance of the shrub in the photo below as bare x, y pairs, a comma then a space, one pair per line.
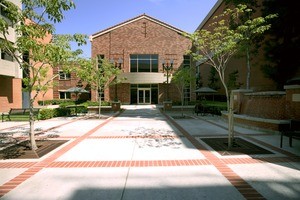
46, 113
54, 101
95, 103
62, 111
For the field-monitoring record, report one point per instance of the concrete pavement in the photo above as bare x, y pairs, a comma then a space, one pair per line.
144, 154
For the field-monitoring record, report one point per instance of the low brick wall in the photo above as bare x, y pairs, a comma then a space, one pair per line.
259, 123
271, 110
269, 105
95, 109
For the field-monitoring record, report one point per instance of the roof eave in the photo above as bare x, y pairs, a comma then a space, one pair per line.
133, 20
209, 15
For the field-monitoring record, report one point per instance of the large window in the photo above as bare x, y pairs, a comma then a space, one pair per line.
186, 61
143, 63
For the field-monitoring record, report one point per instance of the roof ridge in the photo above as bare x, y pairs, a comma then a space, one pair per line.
133, 19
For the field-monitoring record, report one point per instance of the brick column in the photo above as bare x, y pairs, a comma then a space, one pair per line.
293, 101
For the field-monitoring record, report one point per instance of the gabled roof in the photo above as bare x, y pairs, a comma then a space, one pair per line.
143, 16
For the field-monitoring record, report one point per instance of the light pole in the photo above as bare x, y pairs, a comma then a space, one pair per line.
168, 67
118, 65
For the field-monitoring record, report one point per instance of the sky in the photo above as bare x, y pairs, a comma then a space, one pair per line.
91, 16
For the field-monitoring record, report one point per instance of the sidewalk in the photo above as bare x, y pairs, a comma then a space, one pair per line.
143, 154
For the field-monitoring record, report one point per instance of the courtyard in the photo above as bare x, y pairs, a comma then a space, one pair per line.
143, 153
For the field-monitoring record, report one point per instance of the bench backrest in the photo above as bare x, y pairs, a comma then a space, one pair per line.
23, 111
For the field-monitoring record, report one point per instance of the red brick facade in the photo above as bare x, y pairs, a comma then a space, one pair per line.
61, 85
258, 81
10, 93
141, 35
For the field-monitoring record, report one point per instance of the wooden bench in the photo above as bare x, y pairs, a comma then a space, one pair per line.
20, 112
292, 132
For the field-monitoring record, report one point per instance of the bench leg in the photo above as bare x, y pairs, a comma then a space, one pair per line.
290, 140
281, 138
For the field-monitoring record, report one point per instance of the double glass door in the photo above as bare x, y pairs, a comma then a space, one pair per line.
144, 96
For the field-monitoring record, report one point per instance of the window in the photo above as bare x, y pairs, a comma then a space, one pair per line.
63, 75
186, 61
64, 95
100, 57
6, 56
144, 63
101, 95
4, 13
187, 94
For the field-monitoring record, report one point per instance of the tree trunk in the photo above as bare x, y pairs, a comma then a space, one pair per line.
230, 122
230, 111
248, 68
99, 108
31, 125
182, 99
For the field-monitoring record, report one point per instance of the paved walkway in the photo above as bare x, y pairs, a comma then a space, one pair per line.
145, 154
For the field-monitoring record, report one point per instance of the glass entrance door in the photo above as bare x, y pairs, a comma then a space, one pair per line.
144, 96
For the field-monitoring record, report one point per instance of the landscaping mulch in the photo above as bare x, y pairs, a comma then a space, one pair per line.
240, 147
22, 150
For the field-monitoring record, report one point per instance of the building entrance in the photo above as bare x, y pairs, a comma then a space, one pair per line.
144, 95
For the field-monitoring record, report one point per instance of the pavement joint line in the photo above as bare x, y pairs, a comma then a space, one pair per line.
47, 161
218, 163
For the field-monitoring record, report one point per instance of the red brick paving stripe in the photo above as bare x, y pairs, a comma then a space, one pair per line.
36, 167
236, 180
127, 163
16, 164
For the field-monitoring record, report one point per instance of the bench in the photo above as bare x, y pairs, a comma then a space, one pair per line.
20, 112
292, 132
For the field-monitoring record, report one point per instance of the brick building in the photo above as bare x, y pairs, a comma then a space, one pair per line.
10, 72
258, 80
142, 44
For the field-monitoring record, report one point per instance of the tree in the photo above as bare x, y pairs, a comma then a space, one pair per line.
232, 83
213, 79
35, 56
99, 74
252, 29
182, 79
216, 46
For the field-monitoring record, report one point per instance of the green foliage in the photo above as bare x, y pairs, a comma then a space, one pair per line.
54, 102
94, 103
34, 23
232, 80
213, 79
216, 45
46, 113
99, 76
66, 103
62, 111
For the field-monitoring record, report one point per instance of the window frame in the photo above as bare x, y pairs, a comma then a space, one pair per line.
63, 75
67, 95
